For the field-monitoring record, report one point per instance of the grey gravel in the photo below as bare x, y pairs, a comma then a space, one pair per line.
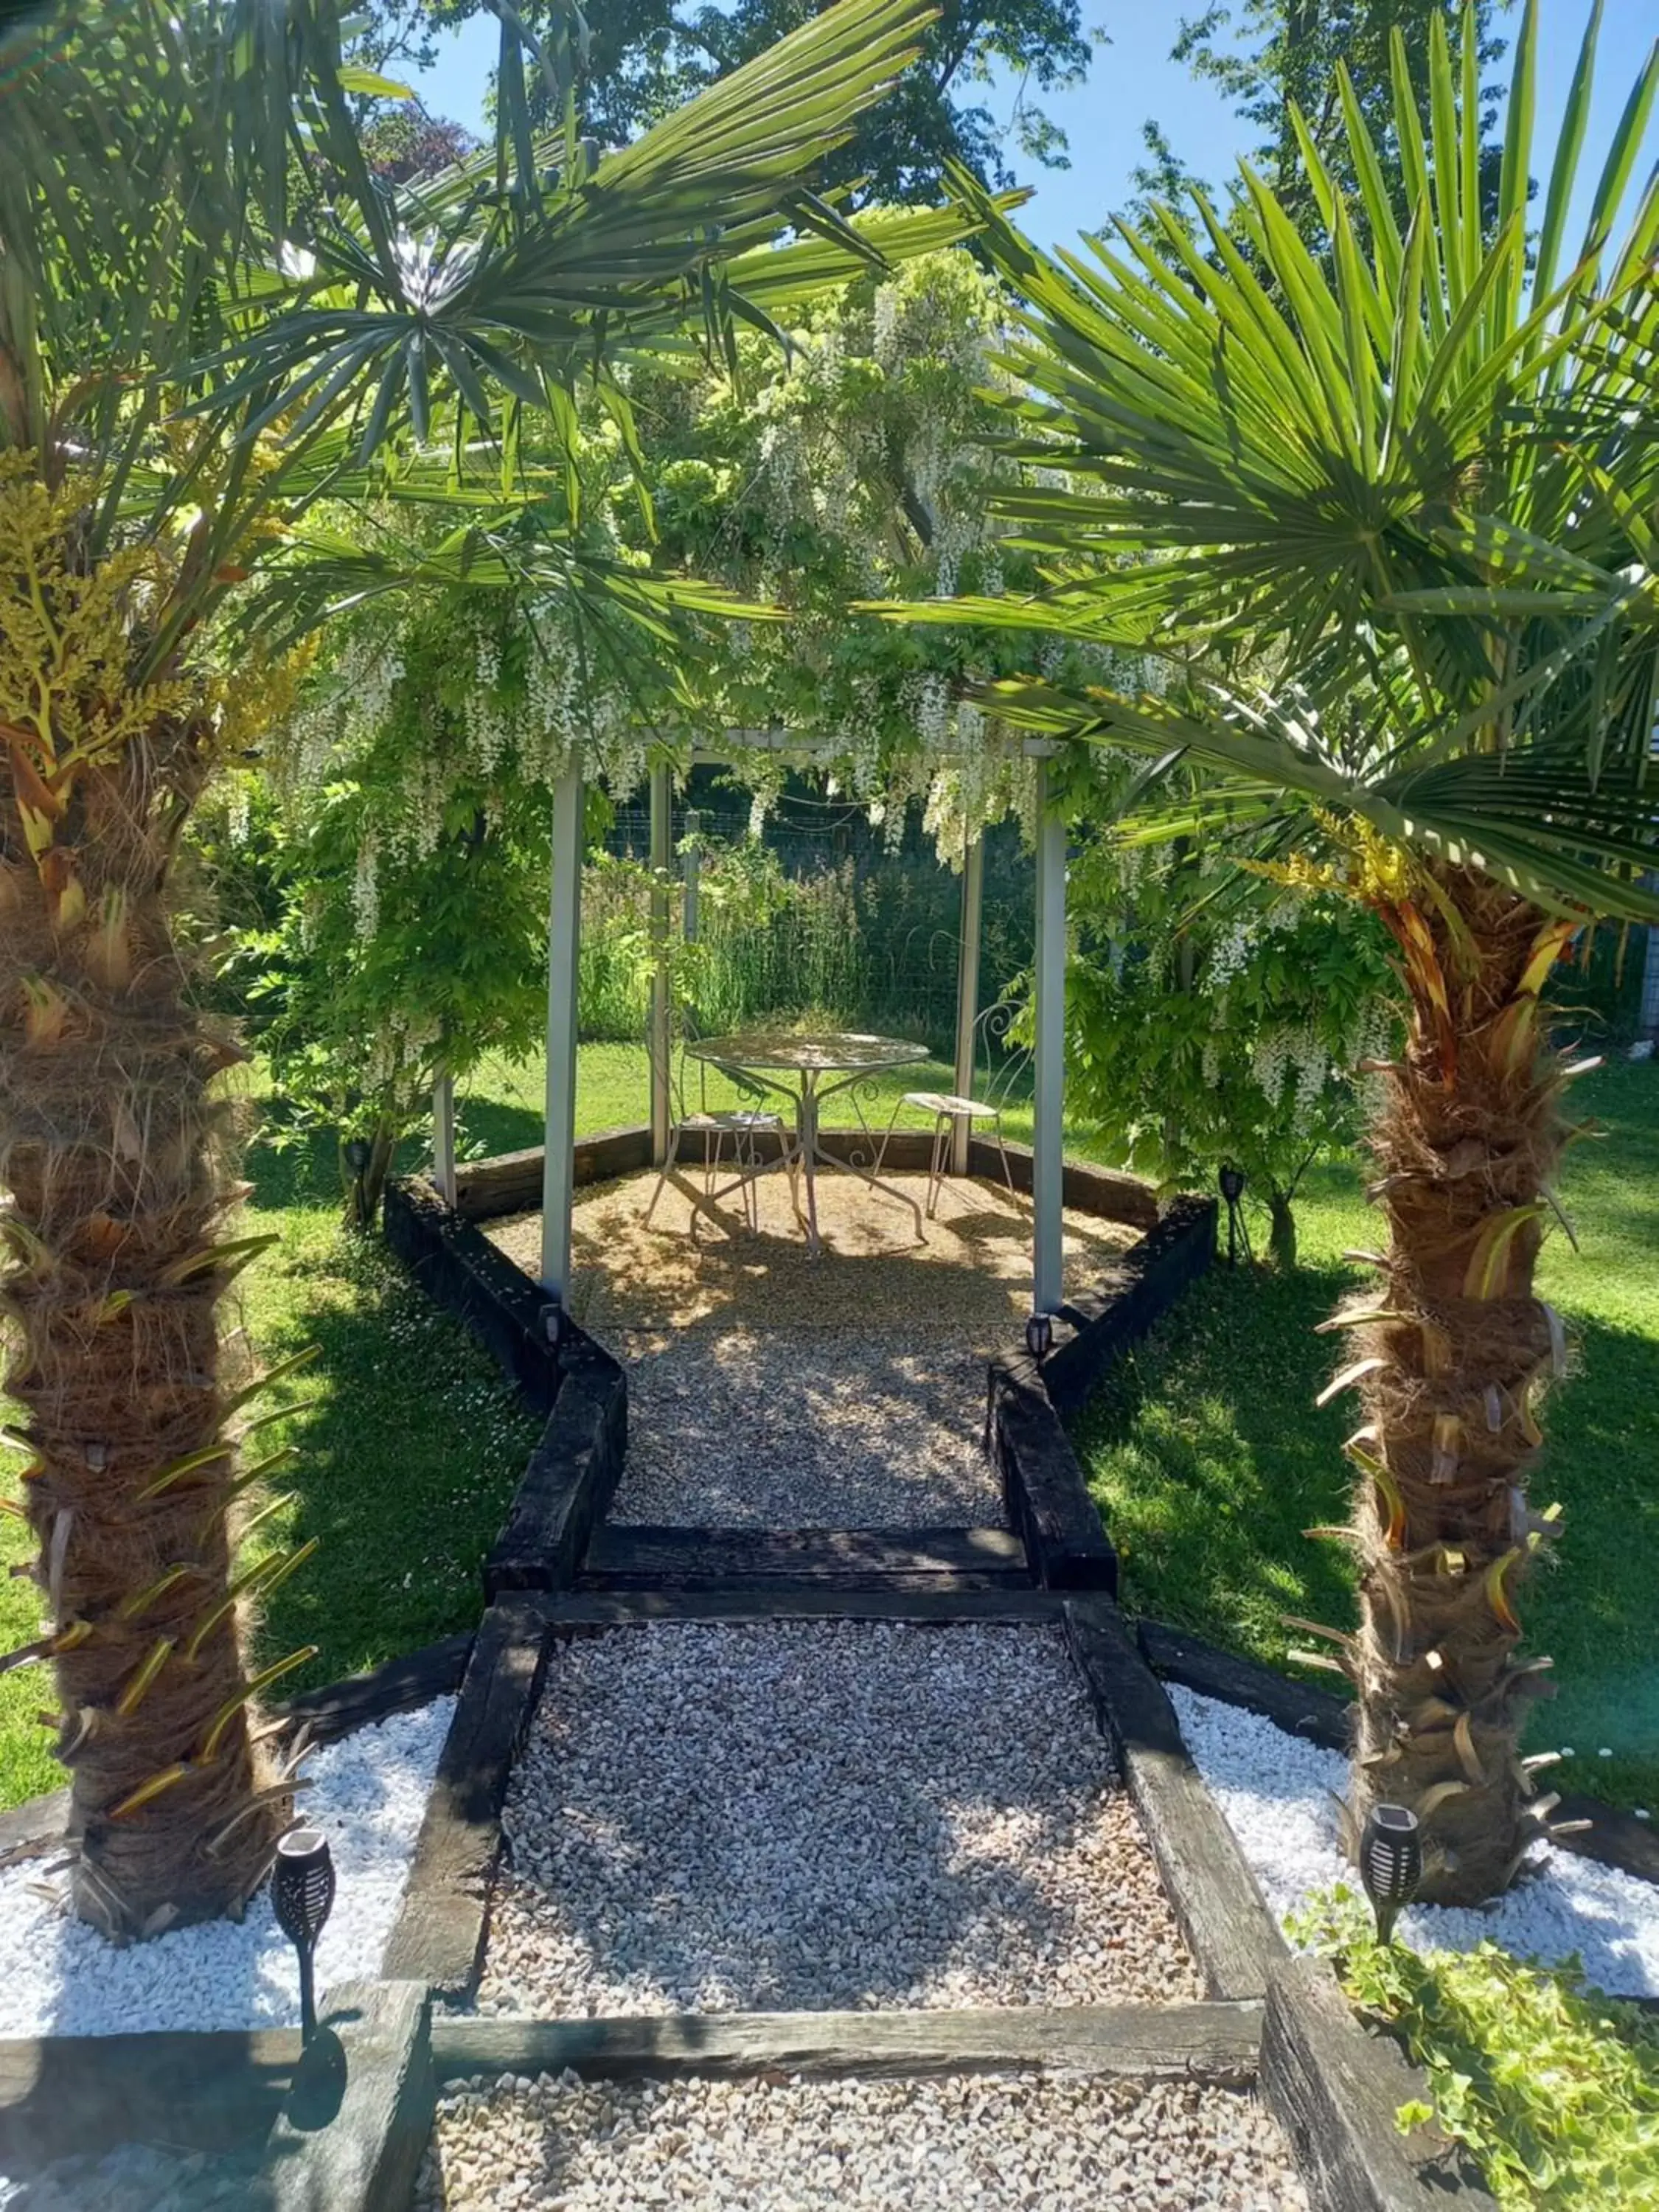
823, 1815
138, 2177
963, 2144
741, 1427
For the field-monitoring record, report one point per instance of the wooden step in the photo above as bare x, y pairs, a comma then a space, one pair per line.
1215, 2043
622, 1558
756, 1599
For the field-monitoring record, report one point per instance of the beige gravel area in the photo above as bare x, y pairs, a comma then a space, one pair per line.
769, 1389
977, 2142
970, 1279
821, 1816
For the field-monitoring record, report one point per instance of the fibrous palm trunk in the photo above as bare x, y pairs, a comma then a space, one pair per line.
113, 1157
1448, 1359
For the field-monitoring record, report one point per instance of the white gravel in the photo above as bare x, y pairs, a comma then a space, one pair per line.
58, 1976
139, 2177
749, 1428
963, 2144
1277, 1791
824, 1815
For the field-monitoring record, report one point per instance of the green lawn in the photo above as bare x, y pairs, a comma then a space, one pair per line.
1209, 1460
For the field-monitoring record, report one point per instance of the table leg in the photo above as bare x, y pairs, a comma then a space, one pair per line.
807, 1127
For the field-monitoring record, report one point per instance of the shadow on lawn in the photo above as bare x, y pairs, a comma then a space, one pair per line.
1209, 1460
404, 1466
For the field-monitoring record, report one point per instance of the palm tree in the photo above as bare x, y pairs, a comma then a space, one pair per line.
1381, 522
211, 317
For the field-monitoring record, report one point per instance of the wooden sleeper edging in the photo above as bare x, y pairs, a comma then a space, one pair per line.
1214, 1896
1028, 1402
358, 2114
1211, 2043
1336, 2088
438, 1936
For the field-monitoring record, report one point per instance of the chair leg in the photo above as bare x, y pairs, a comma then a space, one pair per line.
936, 1163
669, 1158
1007, 1171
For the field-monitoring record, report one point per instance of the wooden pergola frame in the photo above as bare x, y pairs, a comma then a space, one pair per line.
564, 933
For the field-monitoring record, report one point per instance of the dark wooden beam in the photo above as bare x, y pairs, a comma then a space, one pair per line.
1222, 1913
1336, 2088
63, 2095
438, 1936
1215, 2043
758, 1600
632, 1558
358, 2115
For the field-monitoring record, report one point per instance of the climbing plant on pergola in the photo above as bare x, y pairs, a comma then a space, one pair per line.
797, 482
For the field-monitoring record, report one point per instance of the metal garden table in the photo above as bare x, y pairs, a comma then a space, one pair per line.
795, 1064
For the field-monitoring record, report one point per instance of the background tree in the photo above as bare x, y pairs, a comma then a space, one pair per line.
210, 315
641, 57
1388, 527
1272, 58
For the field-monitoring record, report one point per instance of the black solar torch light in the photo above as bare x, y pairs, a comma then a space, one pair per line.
1390, 1862
302, 1892
1039, 1336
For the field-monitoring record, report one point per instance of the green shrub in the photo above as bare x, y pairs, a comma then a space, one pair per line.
1553, 2088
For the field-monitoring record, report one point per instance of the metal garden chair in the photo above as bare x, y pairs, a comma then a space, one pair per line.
742, 1124
982, 1103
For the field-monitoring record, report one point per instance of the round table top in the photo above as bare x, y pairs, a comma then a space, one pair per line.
820, 1052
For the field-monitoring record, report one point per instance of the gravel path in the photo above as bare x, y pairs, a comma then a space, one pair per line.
58, 1976
819, 1815
964, 2143
1276, 1791
755, 1429
138, 2177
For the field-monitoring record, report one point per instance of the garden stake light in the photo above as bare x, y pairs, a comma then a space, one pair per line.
302, 1892
1233, 1189
1039, 1336
1390, 1863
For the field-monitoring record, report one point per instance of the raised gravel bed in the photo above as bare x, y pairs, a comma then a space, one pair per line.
826, 1814
1277, 1792
756, 1428
1054, 2142
367, 1793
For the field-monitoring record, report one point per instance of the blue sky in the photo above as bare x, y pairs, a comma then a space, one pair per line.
1133, 77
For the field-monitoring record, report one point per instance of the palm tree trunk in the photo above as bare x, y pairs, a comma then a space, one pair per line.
1449, 1358
116, 1158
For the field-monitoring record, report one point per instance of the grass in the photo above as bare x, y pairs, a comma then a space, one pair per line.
1208, 1459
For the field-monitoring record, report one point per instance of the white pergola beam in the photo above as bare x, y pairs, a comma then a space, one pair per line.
1048, 1139
564, 946
972, 905
662, 1043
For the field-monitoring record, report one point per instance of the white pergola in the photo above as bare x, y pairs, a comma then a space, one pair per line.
564, 925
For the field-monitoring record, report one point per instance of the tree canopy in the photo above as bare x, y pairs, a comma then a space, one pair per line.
637, 59
1269, 56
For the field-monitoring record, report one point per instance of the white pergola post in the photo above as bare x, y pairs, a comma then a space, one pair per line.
662, 856
1047, 1163
563, 943
443, 1138
973, 904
